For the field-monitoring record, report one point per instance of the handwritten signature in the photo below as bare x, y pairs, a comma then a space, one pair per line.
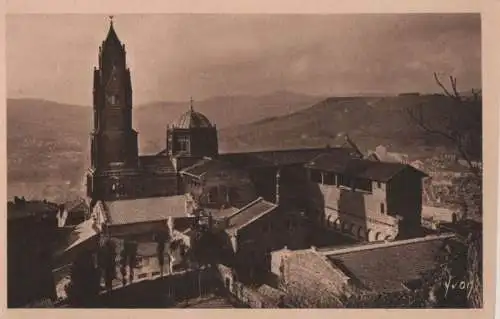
457, 284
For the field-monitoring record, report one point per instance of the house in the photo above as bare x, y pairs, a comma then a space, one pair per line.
381, 154
328, 277
368, 200
31, 235
121, 218
214, 183
254, 231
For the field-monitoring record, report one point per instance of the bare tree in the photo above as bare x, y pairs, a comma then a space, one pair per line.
463, 125
463, 128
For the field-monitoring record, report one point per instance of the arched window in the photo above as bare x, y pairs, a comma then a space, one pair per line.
183, 143
346, 227
361, 232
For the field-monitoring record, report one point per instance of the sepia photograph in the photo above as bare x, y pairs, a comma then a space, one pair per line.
244, 160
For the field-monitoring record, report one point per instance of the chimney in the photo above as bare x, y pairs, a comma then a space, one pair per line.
278, 174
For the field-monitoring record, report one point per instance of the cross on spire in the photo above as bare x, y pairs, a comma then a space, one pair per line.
111, 19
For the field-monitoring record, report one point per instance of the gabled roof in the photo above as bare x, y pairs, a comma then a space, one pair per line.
143, 210
386, 267
360, 168
248, 214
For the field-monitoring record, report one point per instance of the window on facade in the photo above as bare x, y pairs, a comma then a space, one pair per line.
183, 143
379, 185
382, 208
316, 176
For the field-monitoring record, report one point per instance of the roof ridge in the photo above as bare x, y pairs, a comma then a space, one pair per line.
386, 244
257, 200
286, 150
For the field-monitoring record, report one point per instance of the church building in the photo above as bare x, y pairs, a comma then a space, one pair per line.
127, 190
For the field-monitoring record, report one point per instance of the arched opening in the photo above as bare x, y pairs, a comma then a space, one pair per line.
354, 230
330, 221
346, 227
370, 235
378, 237
361, 232
388, 238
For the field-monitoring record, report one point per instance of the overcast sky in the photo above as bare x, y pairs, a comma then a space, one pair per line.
173, 57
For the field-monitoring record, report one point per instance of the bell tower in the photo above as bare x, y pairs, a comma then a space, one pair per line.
113, 140
114, 156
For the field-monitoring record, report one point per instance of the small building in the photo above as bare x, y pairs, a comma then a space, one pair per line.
31, 235
368, 200
123, 218
214, 184
382, 155
328, 277
254, 231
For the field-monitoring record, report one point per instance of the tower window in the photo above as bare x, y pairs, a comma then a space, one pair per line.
113, 99
183, 143
382, 208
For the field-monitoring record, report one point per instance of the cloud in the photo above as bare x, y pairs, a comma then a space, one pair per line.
175, 56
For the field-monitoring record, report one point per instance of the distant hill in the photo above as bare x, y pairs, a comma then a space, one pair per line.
48, 142
369, 121
223, 111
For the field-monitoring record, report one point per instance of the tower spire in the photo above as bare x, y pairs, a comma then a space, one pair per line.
191, 104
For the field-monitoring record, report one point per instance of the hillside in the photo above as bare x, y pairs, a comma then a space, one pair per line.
48, 142
369, 121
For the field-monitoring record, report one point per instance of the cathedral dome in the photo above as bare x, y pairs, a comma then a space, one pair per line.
192, 119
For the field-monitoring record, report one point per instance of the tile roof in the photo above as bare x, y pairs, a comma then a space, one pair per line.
206, 165
285, 157
249, 213
218, 213
142, 210
362, 168
387, 268
155, 160
35, 208
79, 235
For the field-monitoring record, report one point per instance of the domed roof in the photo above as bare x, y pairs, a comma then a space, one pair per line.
191, 119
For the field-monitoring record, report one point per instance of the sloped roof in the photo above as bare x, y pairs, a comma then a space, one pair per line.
285, 157
387, 268
248, 214
155, 162
34, 208
142, 210
83, 233
361, 168
206, 165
